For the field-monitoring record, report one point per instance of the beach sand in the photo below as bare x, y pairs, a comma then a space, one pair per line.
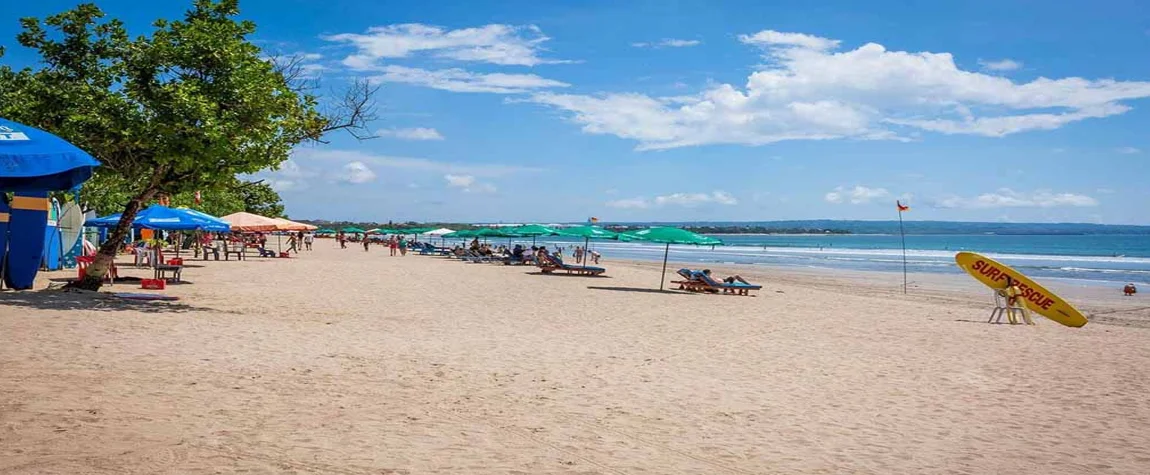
353, 362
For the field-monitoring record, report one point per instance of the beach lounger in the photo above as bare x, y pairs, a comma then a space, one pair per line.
550, 263
736, 288
689, 281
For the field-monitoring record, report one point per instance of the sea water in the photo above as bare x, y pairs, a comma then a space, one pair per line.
1102, 259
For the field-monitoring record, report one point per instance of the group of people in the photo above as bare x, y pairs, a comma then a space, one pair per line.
300, 241
580, 254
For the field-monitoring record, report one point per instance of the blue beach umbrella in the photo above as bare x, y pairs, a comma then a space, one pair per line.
164, 218
34, 160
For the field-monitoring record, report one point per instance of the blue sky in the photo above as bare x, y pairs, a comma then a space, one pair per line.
706, 110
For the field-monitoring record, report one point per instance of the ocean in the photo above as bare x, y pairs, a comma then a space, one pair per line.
1090, 258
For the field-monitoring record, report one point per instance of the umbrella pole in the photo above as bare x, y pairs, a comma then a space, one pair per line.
666, 251
586, 254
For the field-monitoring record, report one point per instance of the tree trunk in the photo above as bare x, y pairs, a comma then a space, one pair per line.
94, 276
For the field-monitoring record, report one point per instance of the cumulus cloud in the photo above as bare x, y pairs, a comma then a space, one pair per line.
809, 90
1008, 198
494, 44
1000, 65
356, 173
677, 199
629, 203
459, 80
488, 170
1128, 150
667, 43
857, 195
468, 184
413, 133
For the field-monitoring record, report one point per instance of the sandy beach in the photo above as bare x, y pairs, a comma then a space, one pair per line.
342, 361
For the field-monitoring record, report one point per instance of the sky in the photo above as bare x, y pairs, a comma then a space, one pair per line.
527, 111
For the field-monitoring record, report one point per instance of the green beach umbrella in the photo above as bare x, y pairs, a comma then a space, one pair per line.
533, 231
353, 229
325, 231
462, 233
669, 236
592, 232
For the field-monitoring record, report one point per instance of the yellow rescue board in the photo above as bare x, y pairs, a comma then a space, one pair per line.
1041, 301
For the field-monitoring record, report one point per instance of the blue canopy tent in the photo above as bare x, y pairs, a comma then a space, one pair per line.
32, 163
164, 218
34, 160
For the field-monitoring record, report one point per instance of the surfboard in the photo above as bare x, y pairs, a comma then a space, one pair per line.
71, 224
4, 215
53, 247
27, 225
1038, 299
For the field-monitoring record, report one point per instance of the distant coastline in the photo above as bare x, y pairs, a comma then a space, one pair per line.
812, 227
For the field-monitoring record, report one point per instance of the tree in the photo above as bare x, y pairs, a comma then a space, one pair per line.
187, 108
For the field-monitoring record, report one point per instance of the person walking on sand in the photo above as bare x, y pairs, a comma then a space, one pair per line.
577, 254
393, 244
307, 240
342, 240
366, 243
292, 244
402, 247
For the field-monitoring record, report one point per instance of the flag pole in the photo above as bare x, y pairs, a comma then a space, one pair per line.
902, 234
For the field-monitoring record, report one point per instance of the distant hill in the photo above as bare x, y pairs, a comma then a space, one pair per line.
917, 227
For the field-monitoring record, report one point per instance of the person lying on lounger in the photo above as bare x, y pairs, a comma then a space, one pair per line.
730, 280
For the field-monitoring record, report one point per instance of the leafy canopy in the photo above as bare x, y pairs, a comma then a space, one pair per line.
187, 108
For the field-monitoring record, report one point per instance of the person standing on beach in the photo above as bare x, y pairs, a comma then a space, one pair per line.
342, 238
393, 244
577, 254
366, 243
402, 247
307, 240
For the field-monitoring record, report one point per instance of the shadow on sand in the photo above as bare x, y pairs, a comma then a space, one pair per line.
642, 290
564, 274
90, 301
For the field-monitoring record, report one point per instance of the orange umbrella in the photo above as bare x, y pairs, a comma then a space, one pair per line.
289, 225
244, 222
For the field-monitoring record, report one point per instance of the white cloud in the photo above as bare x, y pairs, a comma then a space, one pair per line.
283, 185
408, 163
806, 90
459, 80
857, 195
773, 39
692, 199
667, 43
1008, 198
1128, 150
495, 44
468, 184
459, 181
1000, 65
356, 173
413, 133
677, 199
629, 203
1104, 191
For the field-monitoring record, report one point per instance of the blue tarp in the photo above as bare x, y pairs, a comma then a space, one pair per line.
34, 160
167, 219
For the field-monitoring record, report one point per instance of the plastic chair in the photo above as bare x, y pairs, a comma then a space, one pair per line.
82, 263
1003, 308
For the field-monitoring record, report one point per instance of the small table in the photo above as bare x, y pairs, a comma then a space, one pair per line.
163, 269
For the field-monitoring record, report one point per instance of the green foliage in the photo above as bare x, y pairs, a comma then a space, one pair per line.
187, 108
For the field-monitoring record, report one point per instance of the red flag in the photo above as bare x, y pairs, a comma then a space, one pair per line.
901, 207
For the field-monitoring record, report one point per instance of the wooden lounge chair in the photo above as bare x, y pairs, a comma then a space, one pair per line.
549, 263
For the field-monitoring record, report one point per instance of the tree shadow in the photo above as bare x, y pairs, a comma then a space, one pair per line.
642, 290
91, 301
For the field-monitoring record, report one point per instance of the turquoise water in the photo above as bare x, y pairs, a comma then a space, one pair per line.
1102, 259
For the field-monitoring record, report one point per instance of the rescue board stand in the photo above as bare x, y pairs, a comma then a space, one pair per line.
1002, 308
